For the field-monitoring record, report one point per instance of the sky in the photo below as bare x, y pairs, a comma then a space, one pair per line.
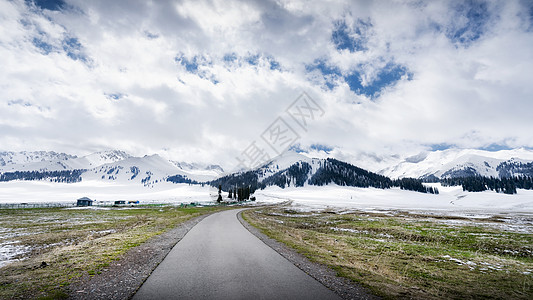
213, 81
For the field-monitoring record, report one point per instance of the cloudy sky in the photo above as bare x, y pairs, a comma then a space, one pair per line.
204, 80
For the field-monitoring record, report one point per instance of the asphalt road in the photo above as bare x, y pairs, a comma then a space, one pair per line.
220, 259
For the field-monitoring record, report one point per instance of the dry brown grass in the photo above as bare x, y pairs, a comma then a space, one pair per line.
409, 257
76, 242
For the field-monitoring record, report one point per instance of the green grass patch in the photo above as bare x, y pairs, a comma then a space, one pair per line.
410, 256
63, 244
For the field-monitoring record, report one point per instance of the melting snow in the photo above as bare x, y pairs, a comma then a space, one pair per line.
10, 250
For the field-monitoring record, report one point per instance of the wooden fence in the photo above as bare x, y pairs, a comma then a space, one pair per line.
35, 205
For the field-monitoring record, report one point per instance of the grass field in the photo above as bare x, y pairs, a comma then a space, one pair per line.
411, 256
50, 248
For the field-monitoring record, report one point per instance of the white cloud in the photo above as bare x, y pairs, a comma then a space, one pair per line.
123, 86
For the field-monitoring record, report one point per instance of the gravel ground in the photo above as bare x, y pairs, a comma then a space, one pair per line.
123, 277
343, 287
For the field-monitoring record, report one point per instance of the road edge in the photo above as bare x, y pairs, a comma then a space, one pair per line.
343, 287
123, 277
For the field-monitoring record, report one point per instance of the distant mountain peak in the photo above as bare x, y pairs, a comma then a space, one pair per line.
25, 157
198, 166
462, 162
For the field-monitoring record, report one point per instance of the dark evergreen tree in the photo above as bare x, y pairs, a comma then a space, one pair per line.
412, 184
219, 199
180, 179
65, 176
237, 180
481, 183
344, 174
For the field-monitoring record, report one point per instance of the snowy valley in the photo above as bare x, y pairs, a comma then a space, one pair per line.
115, 175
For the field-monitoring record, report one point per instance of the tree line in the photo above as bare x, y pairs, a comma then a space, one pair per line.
66, 176
413, 184
237, 180
181, 179
483, 183
241, 193
329, 171
345, 174
296, 174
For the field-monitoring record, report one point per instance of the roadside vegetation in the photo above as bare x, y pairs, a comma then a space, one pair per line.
403, 255
56, 246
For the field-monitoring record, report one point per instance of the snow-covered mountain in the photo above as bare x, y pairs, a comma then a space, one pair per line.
147, 170
199, 168
120, 167
285, 161
8, 158
112, 165
297, 170
52, 161
103, 157
462, 163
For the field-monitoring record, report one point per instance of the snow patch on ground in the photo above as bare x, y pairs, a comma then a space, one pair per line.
512, 213
513, 210
10, 250
102, 192
451, 200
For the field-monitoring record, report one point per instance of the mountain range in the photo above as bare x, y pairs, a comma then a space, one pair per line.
464, 163
110, 165
291, 169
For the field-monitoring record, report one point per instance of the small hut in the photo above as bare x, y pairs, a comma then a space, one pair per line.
85, 202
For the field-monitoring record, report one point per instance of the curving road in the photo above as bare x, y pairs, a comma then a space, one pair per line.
220, 259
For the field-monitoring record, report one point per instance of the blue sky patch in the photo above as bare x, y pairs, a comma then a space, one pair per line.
492, 147
49, 4
256, 59
324, 68
274, 64
114, 96
475, 13
70, 46
73, 49
44, 47
350, 38
441, 146
297, 148
331, 73
253, 59
317, 147
19, 102
27, 104
320, 147
191, 65
388, 76
230, 57
194, 66
495, 147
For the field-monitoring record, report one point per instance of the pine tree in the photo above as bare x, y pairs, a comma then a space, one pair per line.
219, 199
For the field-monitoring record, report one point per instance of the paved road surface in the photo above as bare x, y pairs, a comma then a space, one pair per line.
220, 259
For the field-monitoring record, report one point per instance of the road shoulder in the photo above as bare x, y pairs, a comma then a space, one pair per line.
123, 277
